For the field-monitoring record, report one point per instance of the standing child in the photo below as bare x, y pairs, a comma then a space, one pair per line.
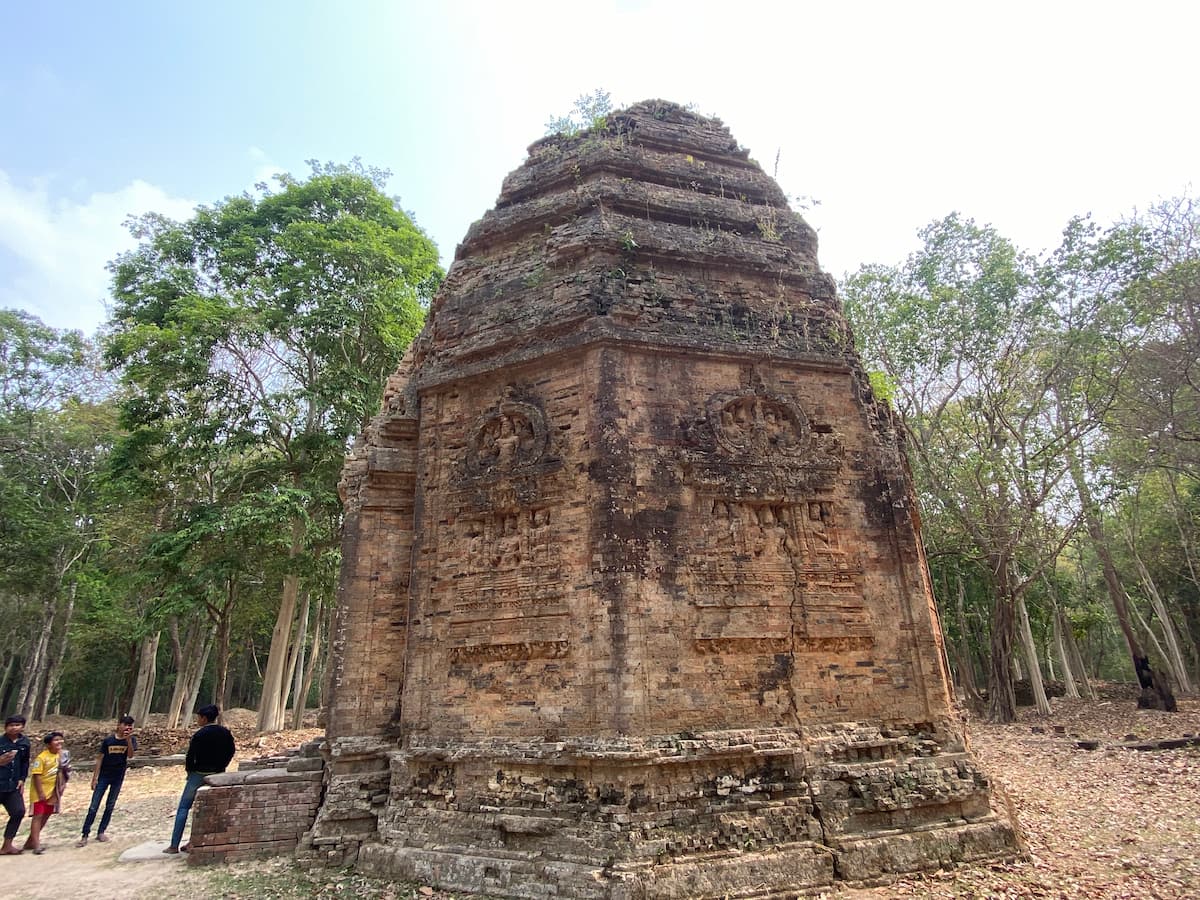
48, 776
14, 769
108, 774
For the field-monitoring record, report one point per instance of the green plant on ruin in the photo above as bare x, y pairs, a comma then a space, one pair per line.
768, 225
883, 385
589, 113
535, 276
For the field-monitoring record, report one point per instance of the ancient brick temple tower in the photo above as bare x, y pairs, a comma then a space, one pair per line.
633, 601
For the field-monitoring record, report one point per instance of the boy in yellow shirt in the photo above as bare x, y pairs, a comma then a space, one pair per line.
48, 775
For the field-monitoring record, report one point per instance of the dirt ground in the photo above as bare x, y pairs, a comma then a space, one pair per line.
145, 811
1107, 823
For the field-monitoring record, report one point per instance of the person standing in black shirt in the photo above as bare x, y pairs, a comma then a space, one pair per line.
14, 769
209, 752
108, 774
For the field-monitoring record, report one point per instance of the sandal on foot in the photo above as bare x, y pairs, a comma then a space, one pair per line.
170, 849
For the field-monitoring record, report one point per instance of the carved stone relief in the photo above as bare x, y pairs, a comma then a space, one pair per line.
758, 425
766, 571
508, 599
510, 437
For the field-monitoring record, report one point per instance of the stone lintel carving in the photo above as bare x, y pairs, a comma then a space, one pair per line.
482, 652
748, 646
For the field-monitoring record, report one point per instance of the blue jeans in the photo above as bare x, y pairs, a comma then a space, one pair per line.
194, 780
109, 783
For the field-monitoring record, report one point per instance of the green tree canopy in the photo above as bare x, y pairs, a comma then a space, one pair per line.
254, 341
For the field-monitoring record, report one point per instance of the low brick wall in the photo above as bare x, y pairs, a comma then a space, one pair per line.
260, 812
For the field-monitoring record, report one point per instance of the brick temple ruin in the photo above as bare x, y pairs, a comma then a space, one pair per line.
634, 602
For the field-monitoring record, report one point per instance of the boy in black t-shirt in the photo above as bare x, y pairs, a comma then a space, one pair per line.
108, 775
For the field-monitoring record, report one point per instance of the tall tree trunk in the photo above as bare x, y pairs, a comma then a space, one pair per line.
35, 670
1148, 631
1187, 542
299, 646
147, 674
178, 657
191, 657
1155, 692
270, 715
301, 700
4, 680
1030, 647
295, 653
1172, 652
110, 698
1077, 663
962, 653
196, 672
1060, 648
1185, 538
11, 685
1018, 673
323, 697
1002, 703
61, 630
224, 629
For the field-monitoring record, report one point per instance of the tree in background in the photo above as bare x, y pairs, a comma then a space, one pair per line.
254, 341
55, 431
958, 330
1035, 394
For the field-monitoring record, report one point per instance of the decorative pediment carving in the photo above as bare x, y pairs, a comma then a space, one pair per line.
508, 438
760, 425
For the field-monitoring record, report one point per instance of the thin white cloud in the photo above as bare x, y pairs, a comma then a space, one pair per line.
265, 168
53, 250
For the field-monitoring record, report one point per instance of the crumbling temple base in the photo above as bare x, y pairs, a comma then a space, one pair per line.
708, 815
633, 600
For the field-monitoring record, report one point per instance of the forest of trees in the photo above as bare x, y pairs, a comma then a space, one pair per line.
169, 518
1052, 410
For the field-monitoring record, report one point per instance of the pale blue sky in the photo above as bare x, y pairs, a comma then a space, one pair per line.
890, 114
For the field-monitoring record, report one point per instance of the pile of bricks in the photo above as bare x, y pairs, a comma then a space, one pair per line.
260, 810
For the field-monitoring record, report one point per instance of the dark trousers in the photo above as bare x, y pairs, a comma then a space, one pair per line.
14, 804
103, 783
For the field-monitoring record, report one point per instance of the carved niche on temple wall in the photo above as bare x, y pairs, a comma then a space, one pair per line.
510, 437
501, 556
766, 560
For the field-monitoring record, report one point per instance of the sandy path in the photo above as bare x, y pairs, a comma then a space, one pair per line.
145, 811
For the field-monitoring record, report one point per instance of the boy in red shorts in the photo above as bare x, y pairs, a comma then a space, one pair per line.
47, 777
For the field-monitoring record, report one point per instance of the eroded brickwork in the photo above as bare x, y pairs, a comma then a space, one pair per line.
633, 601
256, 811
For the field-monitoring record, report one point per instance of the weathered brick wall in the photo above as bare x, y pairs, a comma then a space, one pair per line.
370, 637
357, 778
260, 812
